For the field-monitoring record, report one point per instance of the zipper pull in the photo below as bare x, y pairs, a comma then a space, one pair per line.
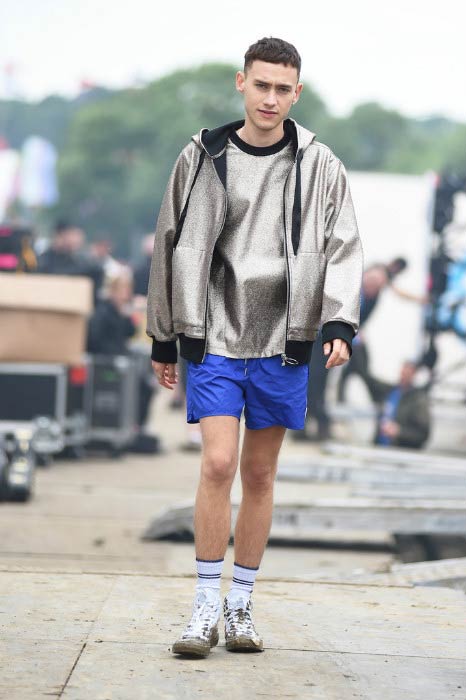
288, 360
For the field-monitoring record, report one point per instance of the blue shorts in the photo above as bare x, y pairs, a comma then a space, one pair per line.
269, 392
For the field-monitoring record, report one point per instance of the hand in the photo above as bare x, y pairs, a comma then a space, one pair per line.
389, 428
339, 352
166, 373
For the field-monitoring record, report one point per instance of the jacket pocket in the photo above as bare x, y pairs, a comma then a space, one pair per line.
190, 274
307, 288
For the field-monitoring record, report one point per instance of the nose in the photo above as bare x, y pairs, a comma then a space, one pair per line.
270, 99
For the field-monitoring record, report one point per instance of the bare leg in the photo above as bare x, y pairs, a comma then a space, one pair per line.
258, 467
212, 516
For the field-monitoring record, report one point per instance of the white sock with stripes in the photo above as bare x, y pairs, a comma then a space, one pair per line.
209, 572
243, 581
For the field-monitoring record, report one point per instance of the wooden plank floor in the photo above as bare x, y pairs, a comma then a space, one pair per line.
89, 611
81, 636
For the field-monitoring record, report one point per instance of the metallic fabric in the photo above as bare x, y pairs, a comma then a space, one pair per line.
247, 308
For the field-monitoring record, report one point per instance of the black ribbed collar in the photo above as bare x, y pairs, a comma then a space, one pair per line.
260, 150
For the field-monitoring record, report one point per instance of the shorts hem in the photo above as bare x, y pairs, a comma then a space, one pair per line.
271, 425
214, 413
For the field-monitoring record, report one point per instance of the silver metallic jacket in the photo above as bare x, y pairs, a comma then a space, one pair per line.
322, 245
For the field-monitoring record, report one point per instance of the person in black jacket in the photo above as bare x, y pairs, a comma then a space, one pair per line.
65, 256
142, 269
111, 326
404, 416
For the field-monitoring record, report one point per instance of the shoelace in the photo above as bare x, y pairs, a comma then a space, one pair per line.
240, 619
204, 616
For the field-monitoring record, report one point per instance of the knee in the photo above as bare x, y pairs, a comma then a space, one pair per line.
218, 468
258, 477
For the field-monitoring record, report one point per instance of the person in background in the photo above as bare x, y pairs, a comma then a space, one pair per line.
193, 441
101, 251
142, 269
111, 325
65, 256
61, 257
376, 279
316, 403
404, 418
110, 329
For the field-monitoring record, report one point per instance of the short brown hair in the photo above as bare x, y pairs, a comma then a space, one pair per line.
273, 50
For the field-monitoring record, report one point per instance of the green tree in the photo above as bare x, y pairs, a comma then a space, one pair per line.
365, 139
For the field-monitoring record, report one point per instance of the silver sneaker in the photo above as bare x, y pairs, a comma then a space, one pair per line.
201, 632
240, 633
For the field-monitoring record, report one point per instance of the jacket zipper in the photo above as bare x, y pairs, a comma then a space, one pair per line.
208, 276
285, 358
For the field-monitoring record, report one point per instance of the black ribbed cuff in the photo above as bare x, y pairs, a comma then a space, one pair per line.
338, 329
164, 351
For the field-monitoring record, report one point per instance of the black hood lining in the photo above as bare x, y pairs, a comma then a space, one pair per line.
215, 140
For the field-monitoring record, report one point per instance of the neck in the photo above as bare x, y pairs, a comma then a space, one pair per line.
254, 136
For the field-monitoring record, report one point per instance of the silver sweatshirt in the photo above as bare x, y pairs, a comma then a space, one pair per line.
247, 308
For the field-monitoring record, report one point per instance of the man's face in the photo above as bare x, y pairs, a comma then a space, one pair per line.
408, 371
75, 239
269, 89
374, 280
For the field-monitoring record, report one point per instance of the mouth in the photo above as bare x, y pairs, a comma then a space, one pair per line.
267, 113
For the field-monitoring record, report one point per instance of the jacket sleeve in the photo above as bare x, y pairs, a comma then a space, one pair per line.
159, 295
343, 250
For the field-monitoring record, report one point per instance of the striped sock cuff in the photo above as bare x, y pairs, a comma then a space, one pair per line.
244, 577
209, 572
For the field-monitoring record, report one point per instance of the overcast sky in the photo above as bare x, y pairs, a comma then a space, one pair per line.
407, 54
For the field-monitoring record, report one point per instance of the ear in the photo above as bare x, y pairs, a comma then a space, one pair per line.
297, 93
240, 78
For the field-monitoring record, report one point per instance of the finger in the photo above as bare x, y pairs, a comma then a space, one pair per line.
332, 360
344, 357
165, 380
158, 367
160, 370
171, 374
327, 348
335, 346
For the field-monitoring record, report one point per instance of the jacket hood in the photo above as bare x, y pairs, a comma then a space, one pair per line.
214, 141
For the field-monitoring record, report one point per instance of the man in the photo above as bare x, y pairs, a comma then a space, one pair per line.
256, 239
142, 269
61, 257
404, 419
111, 326
376, 278
65, 256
